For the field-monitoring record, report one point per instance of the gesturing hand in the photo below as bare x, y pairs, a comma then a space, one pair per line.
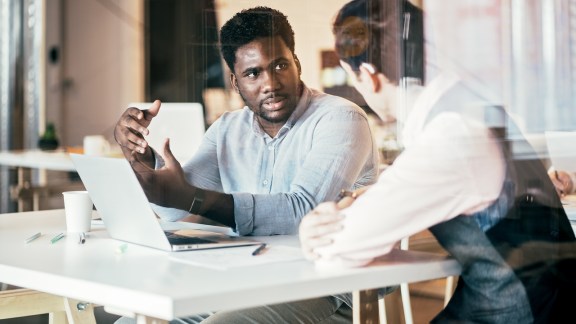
131, 128
165, 186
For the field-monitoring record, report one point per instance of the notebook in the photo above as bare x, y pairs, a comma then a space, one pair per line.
562, 149
127, 214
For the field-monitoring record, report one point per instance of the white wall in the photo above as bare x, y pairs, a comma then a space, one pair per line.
103, 67
102, 57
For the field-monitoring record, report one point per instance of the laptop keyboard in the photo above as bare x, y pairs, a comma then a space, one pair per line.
180, 239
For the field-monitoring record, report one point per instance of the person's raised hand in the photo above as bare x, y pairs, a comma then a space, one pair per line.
131, 128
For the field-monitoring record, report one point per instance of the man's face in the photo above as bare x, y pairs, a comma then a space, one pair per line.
267, 76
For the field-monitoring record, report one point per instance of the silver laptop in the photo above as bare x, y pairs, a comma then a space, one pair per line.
127, 214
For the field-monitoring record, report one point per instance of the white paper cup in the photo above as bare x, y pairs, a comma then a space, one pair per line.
96, 145
78, 207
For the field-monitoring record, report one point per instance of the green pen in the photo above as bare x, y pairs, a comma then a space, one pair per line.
56, 238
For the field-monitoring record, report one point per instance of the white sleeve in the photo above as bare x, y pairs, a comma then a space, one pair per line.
454, 167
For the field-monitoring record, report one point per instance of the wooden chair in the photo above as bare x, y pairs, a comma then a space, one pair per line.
388, 307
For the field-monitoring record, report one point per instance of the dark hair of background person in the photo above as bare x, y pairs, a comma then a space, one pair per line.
386, 34
249, 24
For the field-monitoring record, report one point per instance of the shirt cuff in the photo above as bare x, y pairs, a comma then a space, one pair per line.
244, 212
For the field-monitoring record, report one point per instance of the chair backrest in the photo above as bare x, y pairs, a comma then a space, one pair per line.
182, 122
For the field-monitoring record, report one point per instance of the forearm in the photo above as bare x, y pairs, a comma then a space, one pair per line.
407, 198
214, 205
218, 207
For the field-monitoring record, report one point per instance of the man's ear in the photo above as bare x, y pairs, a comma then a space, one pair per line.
369, 73
298, 64
234, 82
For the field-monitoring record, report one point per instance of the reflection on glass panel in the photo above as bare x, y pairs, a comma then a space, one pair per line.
542, 71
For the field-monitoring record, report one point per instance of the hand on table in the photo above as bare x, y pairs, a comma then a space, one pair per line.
318, 225
562, 182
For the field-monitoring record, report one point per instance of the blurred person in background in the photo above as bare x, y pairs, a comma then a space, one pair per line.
498, 215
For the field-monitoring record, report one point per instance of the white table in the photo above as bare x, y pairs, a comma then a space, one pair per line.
149, 283
570, 209
57, 160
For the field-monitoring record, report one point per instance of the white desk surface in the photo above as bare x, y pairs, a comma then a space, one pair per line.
58, 160
148, 282
570, 208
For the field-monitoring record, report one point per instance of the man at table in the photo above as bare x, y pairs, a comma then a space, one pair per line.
259, 170
497, 214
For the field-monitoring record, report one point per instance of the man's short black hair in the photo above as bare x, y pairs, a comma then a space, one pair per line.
250, 24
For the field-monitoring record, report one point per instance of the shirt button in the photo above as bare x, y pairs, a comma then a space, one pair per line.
265, 182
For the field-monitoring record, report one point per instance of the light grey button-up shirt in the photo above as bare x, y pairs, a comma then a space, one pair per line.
325, 146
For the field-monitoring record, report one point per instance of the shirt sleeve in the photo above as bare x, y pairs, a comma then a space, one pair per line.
454, 167
341, 150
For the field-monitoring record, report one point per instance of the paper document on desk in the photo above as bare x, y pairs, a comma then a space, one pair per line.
562, 150
571, 211
222, 259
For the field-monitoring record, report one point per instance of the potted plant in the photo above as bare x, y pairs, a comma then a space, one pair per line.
48, 140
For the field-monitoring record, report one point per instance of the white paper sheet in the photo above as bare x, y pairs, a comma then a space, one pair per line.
222, 259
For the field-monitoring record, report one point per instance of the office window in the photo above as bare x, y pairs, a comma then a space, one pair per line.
522, 52
543, 68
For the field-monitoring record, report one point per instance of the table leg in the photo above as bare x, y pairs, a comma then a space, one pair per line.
79, 312
57, 318
365, 307
23, 302
142, 319
21, 181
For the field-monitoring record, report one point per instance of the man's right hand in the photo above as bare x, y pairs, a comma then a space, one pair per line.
132, 127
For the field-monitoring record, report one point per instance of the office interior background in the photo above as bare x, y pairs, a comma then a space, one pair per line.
77, 64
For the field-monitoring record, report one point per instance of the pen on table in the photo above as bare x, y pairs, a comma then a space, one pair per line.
56, 238
259, 249
82, 237
558, 178
33, 237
